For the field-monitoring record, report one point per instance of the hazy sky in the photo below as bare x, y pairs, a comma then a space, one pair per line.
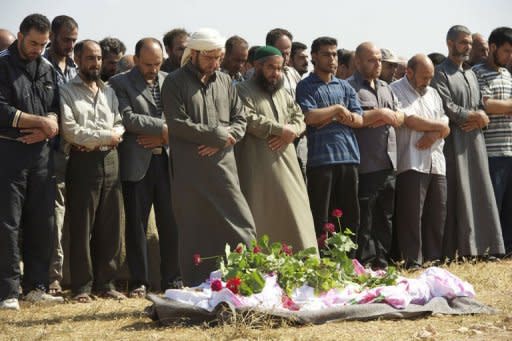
405, 27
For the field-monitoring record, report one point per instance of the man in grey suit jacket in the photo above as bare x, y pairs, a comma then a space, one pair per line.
145, 168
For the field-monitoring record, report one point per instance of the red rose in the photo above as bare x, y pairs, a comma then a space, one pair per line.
239, 248
329, 227
337, 213
216, 285
197, 258
233, 284
287, 249
321, 241
289, 304
256, 249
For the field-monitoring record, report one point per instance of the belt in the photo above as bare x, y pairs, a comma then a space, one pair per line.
99, 148
157, 151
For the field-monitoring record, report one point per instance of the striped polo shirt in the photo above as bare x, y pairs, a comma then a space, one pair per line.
497, 85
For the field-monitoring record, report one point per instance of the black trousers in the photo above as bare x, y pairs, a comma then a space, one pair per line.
153, 189
93, 204
27, 195
376, 199
420, 216
330, 187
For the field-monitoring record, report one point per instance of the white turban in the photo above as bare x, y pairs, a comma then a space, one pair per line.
204, 39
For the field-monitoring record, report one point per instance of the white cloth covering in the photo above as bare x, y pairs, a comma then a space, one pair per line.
204, 39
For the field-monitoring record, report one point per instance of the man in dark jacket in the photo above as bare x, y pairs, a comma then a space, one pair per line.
28, 119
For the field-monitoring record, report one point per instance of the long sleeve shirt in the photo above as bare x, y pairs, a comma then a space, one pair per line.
428, 106
88, 119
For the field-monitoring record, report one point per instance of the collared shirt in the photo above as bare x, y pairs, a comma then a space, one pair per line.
335, 143
430, 106
377, 145
291, 79
69, 73
155, 92
236, 78
88, 118
497, 85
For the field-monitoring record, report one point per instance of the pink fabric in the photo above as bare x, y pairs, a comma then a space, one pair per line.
433, 282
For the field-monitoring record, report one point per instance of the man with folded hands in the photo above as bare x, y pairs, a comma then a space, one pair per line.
91, 123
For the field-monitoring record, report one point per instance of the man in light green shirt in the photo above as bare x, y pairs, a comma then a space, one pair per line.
91, 123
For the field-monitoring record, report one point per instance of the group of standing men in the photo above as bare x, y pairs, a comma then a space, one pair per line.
214, 154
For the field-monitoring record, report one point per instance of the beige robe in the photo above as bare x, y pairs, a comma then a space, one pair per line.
271, 180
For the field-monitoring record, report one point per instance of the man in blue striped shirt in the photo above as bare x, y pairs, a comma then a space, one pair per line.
496, 88
331, 110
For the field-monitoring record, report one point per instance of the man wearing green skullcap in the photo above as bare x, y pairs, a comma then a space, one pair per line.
269, 173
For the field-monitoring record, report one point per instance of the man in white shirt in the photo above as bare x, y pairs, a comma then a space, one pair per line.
421, 181
91, 123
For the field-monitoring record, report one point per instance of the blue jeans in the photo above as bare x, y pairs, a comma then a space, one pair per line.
501, 177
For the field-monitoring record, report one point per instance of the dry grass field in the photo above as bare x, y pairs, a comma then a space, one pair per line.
111, 320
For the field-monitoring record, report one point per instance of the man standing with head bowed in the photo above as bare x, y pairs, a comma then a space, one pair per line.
205, 118
144, 167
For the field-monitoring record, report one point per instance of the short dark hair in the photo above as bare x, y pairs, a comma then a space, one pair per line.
322, 41
436, 58
63, 21
296, 47
235, 41
35, 21
172, 34
344, 56
252, 52
141, 43
111, 45
275, 34
500, 36
79, 47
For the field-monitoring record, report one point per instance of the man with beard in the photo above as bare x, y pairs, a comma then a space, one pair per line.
421, 182
496, 88
175, 42
472, 221
29, 101
331, 110
145, 167
377, 147
205, 118
91, 123
112, 50
268, 169
282, 40
63, 37
389, 66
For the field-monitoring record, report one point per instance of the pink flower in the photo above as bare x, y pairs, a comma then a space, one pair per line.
329, 227
239, 248
197, 259
216, 285
233, 284
289, 304
286, 249
321, 241
256, 249
337, 213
